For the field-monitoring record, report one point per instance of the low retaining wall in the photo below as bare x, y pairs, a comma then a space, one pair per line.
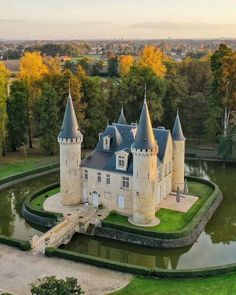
39, 217
27, 175
139, 270
181, 238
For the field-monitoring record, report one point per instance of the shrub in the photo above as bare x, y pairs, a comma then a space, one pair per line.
53, 286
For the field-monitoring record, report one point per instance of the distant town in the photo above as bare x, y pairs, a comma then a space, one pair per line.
97, 52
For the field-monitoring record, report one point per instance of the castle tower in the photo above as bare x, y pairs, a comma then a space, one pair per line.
178, 155
144, 151
122, 119
70, 139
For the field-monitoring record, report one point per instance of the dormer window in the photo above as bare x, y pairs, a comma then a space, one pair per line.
122, 160
106, 142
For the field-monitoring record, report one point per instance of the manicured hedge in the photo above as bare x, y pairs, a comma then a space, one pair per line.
28, 173
23, 245
96, 261
187, 230
54, 216
140, 270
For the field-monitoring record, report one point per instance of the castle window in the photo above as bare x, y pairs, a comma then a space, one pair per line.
99, 177
121, 161
169, 168
108, 179
125, 182
85, 174
106, 142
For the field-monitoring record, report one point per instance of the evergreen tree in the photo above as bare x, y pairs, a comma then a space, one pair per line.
49, 119
17, 115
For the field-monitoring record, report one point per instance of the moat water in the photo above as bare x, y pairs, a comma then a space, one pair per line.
215, 246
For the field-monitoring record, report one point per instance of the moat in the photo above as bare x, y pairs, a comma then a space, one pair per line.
215, 246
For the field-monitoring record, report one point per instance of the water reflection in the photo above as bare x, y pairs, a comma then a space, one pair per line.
12, 223
215, 246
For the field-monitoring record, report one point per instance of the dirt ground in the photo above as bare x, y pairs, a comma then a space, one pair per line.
18, 269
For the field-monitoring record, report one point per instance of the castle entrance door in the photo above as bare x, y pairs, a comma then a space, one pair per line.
95, 199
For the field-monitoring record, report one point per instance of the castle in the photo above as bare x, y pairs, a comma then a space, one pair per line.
131, 170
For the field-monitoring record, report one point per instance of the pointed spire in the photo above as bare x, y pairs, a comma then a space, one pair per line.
122, 119
70, 127
177, 133
145, 137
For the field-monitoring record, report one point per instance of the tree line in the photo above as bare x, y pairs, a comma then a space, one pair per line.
202, 89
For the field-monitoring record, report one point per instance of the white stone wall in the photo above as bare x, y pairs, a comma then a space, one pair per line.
70, 175
108, 193
178, 165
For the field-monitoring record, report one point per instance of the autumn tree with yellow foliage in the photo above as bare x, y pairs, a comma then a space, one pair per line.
4, 75
154, 58
32, 69
125, 63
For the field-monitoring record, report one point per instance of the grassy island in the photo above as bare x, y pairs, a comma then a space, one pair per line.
170, 220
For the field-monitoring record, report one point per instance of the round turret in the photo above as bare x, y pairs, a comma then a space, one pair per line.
144, 151
178, 156
70, 139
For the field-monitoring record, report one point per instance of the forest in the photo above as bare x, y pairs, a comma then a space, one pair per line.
202, 89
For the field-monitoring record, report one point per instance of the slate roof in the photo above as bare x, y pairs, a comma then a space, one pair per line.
177, 133
122, 137
122, 119
145, 137
70, 127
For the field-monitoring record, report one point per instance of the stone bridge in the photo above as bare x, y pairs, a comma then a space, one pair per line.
83, 221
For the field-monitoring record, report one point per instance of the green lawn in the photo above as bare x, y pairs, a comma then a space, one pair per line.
14, 166
37, 203
220, 285
171, 220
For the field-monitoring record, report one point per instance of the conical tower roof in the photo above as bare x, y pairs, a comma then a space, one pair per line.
177, 132
122, 119
70, 127
145, 137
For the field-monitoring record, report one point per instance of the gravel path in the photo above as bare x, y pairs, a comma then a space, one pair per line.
18, 269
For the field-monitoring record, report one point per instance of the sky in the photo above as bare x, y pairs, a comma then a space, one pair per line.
117, 19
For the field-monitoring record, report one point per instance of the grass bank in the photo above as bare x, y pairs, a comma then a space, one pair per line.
171, 220
219, 285
37, 203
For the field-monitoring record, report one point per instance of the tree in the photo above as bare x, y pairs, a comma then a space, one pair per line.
152, 57
32, 69
95, 112
228, 86
177, 88
125, 63
194, 112
17, 115
53, 65
113, 67
53, 286
217, 94
4, 74
49, 119
131, 93
97, 68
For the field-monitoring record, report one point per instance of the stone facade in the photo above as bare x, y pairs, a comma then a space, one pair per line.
132, 168
70, 171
